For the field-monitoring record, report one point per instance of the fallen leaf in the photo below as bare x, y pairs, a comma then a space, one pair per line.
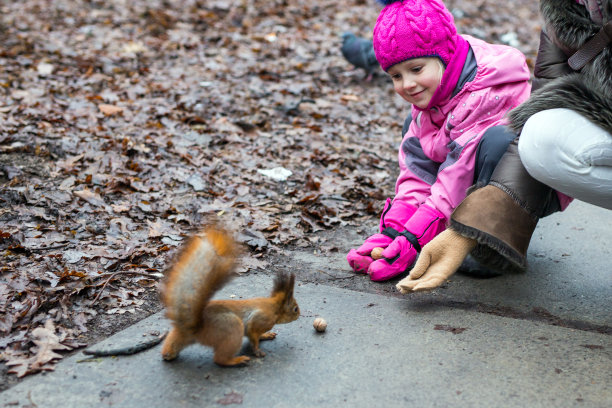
120, 207
230, 398
90, 196
155, 229
350, 98
72, 256
45, 68
46, 343
109, 110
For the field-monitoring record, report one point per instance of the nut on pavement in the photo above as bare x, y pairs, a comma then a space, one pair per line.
319, 324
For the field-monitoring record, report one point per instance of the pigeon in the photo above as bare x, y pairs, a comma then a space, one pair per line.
359, 52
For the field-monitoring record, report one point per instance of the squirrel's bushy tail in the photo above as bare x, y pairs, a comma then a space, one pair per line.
203, 266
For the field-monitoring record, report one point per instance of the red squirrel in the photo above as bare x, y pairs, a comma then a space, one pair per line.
204, 265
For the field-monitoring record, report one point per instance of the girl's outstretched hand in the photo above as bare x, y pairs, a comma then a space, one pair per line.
360, 258
439, 259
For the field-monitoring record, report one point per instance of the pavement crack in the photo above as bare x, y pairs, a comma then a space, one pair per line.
536, 314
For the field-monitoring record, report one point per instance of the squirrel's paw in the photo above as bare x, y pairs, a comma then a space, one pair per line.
169, 356
169, 352
239, 360
268, 336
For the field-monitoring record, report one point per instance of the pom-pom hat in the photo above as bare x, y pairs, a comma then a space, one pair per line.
407, 29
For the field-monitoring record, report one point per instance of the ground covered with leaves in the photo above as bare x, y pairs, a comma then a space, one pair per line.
125, 125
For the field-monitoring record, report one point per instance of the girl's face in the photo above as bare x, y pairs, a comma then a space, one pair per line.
416, 80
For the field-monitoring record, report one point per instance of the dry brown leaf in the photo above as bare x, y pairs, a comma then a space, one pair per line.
70, 162
155, 229
90, 196
121, 207
350, 98
230, 398
248, 262
46, 343
109, 110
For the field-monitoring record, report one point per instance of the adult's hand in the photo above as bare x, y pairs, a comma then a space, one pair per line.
439, 259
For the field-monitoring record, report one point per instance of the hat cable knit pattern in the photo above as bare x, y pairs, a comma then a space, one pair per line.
408, 29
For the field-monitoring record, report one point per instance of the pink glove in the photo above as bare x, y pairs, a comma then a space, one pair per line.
422, 227
397, 258
360, 258
426, 224
395, 215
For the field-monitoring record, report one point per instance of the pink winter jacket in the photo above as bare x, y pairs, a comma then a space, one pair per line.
438, 152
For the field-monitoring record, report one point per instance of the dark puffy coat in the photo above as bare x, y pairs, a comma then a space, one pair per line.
503, 215
589, 91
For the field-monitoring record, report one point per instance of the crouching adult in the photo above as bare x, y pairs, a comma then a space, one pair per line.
564, 150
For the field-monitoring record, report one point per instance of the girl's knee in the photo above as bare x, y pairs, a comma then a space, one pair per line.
494, 143
491, 148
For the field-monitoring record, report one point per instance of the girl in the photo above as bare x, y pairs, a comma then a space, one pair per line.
460, 89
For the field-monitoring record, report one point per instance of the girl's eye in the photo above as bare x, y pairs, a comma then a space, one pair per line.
396, 77
416, 69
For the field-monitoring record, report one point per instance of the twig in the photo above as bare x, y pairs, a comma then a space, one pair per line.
48, 248
111, 277
129, 350
333, 197
32, 404
89, 360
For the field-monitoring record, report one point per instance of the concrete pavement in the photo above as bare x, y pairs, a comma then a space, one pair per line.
540, 339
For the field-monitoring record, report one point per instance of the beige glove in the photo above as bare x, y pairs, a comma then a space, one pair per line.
439, 259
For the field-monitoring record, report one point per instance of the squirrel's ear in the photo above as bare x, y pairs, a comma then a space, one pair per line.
283, 283
291, 286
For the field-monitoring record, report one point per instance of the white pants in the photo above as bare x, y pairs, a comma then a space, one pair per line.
567, 152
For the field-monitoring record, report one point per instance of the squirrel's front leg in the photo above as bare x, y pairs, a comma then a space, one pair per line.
254, 340
266, 336
258, 329
261, 337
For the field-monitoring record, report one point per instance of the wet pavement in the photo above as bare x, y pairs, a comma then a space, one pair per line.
539, 339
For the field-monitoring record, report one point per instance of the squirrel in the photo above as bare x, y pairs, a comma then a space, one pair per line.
204, 265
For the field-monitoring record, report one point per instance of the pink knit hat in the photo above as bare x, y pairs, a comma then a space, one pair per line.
407, 29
